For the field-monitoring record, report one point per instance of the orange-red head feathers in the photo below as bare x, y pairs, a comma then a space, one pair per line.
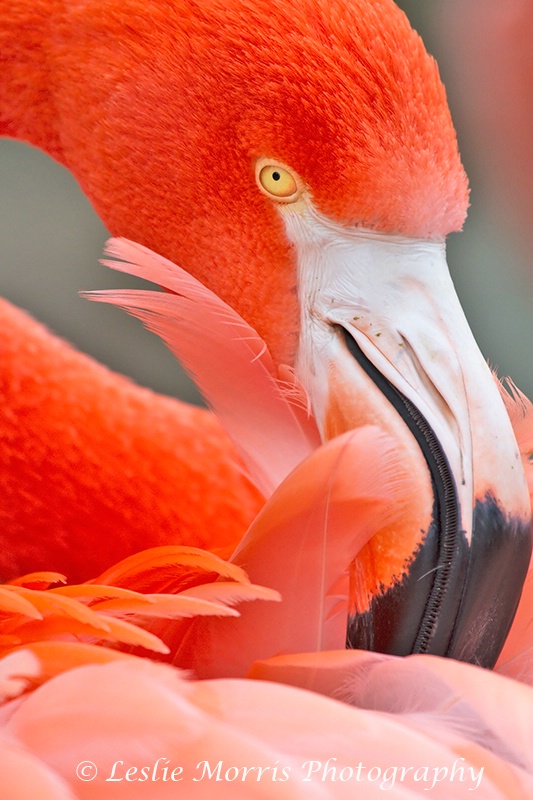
162, 108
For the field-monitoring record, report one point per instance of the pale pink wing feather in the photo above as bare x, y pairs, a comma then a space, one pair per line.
301, 545
225, 356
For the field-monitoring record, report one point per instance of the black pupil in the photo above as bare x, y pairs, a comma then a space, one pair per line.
276, 176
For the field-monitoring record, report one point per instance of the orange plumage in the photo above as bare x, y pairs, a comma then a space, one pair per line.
78, 441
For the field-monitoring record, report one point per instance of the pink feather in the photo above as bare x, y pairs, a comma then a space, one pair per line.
301, 545
227, 359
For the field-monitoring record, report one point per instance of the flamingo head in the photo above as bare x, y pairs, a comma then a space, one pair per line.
298, 157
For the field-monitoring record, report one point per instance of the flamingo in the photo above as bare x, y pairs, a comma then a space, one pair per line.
298, 161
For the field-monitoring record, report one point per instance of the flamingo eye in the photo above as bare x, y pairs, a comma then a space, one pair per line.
278, 182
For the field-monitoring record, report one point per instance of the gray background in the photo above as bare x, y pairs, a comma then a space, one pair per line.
50, 242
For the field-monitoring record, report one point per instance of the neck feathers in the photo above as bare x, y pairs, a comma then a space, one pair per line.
26, 75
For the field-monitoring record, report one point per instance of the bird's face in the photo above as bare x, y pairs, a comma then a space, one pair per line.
299, 159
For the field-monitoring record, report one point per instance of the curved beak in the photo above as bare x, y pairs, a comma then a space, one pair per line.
384, 341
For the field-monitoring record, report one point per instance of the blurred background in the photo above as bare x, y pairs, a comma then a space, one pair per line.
51, 240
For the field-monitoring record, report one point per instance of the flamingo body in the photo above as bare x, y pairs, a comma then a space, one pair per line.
90, 498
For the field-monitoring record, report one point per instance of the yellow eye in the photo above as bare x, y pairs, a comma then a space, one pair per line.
278, 182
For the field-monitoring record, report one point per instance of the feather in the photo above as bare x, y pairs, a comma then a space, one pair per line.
163, 605
17, 671
231, 593
101, 613
105, 613
38, 580
439, 697
301, 545
520, 410
112, 630
442, 695
241, 724
11, 603
227, 359
516, 658
23, 775
152, 568
124, 632
49, 603
93, 592
117, 453
40, 661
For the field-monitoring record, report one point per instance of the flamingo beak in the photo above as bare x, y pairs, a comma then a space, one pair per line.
384, 341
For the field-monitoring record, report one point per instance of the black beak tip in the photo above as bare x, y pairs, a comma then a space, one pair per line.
470, 619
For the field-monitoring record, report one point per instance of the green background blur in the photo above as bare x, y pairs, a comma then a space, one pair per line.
50, 243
